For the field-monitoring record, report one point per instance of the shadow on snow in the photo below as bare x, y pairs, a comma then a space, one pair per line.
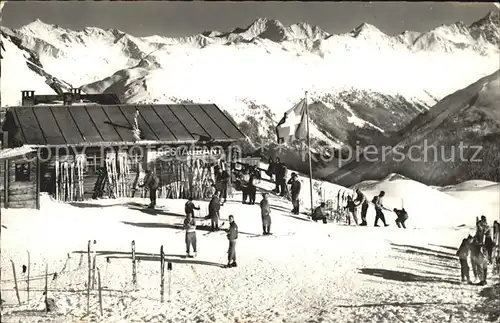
405, 277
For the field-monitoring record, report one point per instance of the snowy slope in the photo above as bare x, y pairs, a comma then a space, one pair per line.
468, 118
434, 207
15, 64
306, 272
272, 65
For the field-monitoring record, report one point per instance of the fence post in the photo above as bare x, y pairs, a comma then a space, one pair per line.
100, 289
46, 288
134, 273
162, 274
89, 278
169, 268
28, 278
15, 282
93, 266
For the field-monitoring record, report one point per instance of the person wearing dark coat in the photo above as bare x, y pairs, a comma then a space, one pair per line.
402, 216
281, 173
361, 200
379, 206
463, 254
295, 192
151, 182
232, 236
351, 209
479, 260
271, 169
189, 207
213, 211
265, 211
251, 188
483, 232
319, 213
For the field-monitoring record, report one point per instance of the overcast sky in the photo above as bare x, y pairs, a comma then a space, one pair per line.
188, 18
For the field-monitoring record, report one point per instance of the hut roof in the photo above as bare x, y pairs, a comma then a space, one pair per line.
15, 152
94, 125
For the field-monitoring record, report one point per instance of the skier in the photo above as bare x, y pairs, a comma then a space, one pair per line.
213, 211
245, 178
295, 190
361, 199
379, 206
402, 217
190, 227
319, 213
232, 236
151, 182
224, 185
480, 259
351, 211
281, 173
463, 254
265, 211
277, 172
483, 232
251, 188
271, 169
189, 207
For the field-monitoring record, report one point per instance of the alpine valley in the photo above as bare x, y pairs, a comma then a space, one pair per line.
363, 86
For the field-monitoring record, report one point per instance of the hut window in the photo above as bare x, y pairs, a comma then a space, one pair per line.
93, 162
22, 172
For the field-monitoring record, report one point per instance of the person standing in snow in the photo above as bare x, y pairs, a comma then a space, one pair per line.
213, 211
295, 187
190, 227
265, 211
480, 260
361, 200
232, 236
351, 211
151, 182
281, 173
252, 189
189, 207
319, 213
402, 217
483, 232
463, 254
271, 169
379, 206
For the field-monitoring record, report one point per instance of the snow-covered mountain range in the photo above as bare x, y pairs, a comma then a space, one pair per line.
457, 140
363, 79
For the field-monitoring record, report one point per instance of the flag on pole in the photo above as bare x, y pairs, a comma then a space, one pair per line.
293, 125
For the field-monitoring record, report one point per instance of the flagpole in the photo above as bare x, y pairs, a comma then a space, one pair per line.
309, 154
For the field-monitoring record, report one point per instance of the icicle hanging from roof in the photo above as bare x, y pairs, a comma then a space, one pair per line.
135, 129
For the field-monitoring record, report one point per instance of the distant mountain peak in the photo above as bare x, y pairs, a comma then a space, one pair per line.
365, 28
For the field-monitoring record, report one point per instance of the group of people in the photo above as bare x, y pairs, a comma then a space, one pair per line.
361, 201
482, 249
190, 228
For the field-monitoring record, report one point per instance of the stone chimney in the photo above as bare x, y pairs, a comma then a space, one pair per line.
76, 94
28, 98
67, 98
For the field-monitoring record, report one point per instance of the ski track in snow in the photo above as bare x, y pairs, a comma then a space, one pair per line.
322, 273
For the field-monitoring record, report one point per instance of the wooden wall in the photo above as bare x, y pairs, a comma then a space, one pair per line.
21, 194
